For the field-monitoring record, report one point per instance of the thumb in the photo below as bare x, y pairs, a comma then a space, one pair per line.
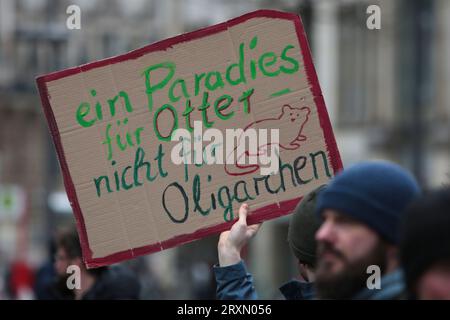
243, 211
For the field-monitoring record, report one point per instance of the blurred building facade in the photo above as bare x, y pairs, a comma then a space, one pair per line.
386, 92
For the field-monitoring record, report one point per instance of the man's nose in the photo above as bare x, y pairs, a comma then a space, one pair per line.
326, 232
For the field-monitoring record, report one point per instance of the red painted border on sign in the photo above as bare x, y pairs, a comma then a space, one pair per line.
264, 213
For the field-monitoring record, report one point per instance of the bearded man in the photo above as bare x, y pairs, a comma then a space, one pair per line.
358, 239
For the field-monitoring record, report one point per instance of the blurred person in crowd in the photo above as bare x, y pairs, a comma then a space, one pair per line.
104, 283
233, 279
361, 211
425, 246
21, 280
45, 275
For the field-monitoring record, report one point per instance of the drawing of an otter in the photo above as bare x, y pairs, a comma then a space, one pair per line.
288, 139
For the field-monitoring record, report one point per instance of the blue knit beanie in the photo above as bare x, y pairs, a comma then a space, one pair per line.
373, 192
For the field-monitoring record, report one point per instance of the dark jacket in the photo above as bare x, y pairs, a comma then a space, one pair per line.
236, 283
298, 290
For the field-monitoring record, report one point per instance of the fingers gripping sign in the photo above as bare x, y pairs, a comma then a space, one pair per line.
241, 233
231, 242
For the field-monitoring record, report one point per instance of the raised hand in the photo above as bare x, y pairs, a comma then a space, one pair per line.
231, 242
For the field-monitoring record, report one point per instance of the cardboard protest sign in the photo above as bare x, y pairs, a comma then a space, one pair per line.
116, 125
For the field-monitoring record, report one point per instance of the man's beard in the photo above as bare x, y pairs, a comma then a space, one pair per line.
352, 279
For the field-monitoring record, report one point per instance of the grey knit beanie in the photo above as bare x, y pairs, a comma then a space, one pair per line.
303, 226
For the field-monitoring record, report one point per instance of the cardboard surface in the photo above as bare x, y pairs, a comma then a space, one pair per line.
112, 120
